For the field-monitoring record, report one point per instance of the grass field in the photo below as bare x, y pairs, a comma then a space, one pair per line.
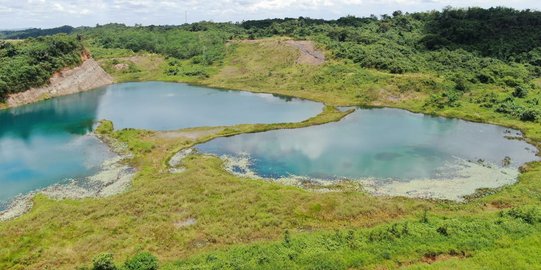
239, 223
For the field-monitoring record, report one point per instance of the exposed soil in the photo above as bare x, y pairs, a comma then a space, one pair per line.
85, 77
309, 54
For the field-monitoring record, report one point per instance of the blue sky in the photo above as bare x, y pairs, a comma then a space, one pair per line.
45, 13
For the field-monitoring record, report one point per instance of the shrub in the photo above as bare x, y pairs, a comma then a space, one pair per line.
508, 106
103, 261
530, 215
460, 83
445, 99
520, 92
443, 230
142, 261
509, 81
529, 115
287, 238
485, 77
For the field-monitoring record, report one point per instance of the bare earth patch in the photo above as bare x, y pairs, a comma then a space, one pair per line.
121, 66
309, 54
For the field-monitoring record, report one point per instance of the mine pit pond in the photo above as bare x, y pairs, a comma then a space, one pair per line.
390, 151
50, 142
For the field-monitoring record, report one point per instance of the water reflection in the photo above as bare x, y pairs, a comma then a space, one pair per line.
165, 106
73, 114
385, 144
46, 142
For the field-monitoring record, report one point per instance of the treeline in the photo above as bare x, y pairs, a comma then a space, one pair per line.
202, 42
500, 32
35, 32
30, 63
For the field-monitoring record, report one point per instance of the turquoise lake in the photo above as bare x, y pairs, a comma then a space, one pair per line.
50, 142
378, 144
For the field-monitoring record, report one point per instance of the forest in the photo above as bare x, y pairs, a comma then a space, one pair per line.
469, 48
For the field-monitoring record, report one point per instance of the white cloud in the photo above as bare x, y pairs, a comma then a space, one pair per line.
46, 13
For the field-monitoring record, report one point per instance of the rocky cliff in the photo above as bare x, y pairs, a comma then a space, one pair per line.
87, 76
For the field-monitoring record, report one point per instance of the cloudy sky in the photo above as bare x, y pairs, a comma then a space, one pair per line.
52, 13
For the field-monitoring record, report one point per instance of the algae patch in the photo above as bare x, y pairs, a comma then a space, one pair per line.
455, 180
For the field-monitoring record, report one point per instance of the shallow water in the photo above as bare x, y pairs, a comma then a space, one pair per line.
383, 145
49, 142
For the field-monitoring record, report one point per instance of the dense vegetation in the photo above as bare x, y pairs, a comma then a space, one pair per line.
32, 62
201, 42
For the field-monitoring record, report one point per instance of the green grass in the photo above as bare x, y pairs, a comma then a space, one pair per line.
243, 222
412, 243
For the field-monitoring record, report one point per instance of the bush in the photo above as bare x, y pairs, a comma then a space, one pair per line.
460, 83
142, 261
529, 115
529, 215
103, 261
520, 92
485, 77
509, 107
445, 99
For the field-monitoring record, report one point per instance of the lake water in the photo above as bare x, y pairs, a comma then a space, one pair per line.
49, 142
382, 145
